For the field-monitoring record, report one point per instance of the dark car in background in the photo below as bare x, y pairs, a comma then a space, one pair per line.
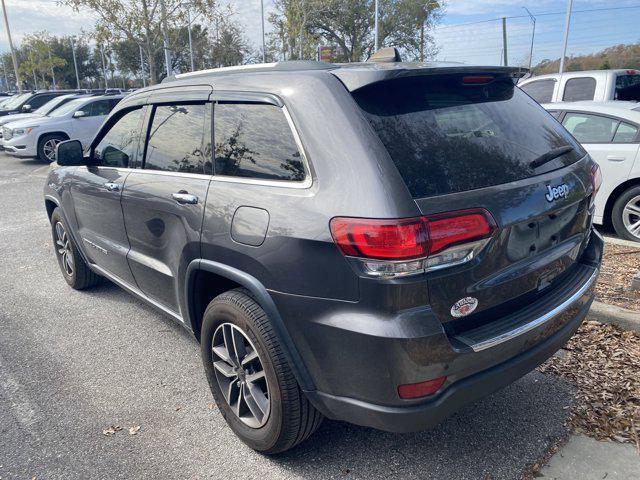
29, 101
374, 243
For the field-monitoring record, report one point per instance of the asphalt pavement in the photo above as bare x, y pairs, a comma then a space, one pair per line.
72, 364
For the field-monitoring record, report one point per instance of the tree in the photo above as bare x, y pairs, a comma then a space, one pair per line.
229, 47
39, 60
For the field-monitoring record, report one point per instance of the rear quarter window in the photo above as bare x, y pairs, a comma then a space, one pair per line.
628, 87
540, 90
446, 137
578, 89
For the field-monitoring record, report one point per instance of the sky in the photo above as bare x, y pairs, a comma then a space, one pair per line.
470, 30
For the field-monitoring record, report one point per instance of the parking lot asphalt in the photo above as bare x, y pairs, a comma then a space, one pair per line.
75, 363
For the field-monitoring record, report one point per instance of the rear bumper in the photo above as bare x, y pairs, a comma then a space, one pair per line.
357, 355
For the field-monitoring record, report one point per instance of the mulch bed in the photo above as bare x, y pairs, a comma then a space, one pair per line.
619, 265
603, 362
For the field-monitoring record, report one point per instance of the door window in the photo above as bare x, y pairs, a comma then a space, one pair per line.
626, 133
590, 128
255, 141
577, 89
118, 145
97, 109
175, 138
40, 100
540, 90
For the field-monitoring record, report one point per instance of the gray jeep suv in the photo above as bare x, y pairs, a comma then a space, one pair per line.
378, 243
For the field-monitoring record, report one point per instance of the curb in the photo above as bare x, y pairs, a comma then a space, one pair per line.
623, 318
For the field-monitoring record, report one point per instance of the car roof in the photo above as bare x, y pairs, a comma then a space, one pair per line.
583, 73
627, 110
352, 75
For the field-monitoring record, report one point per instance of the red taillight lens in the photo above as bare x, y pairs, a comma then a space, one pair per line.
409, 238
422, 389
455, 228
383, 239
596, 179
477, 79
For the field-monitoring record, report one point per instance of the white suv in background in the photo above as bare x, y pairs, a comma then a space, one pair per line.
78, 119
610, 132
595, 85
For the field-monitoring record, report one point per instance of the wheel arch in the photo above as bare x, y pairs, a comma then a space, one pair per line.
227, 278
62, 133
615, 194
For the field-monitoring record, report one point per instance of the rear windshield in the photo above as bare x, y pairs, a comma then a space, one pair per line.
628, 87
445, 136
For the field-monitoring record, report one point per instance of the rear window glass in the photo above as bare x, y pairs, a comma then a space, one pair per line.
540, 90
446, 137
577, 89
628, 87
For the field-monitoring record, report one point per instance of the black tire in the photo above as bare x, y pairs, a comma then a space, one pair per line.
44, 141
291, 418
77, 273
617, 213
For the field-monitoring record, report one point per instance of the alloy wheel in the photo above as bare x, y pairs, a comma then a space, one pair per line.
631, 216
49, 148
240, 375
63, 247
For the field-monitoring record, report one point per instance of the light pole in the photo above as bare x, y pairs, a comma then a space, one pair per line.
165, 38
53, 75
264, 45
75, 63
144, 82
190, 41
533, 35
375, 27
104, 67
13, 51
567, 24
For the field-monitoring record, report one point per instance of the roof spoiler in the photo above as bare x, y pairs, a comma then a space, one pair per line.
386, 55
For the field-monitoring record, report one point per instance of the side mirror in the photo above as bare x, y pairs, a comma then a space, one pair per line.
79, 114
69, 153
26, 108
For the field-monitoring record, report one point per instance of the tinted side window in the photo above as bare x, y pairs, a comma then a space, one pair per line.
118, 144
541, 90
590, 128
37, 102
255, 141
175, 139
578, 89
628, 87
626, 133
97, 108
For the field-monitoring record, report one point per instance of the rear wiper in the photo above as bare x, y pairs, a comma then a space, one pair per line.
550, 155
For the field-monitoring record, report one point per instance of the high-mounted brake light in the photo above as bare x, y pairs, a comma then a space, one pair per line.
632, 72
395, 247
477, 79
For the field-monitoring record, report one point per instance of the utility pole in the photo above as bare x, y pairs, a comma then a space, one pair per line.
75, 63
264, 44
505, 57
104, 67
533, 35
144, 82
53, 75
190, 42
375, 27
165, 37
13, 51
567, 24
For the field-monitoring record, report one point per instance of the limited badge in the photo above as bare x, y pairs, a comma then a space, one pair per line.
464, 306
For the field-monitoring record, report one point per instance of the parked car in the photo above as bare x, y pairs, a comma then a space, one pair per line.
609, 131
596, 85
29, 101
44, 110
375, 243
78, 119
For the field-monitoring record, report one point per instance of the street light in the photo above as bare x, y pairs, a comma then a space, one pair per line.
264, 47
75, 63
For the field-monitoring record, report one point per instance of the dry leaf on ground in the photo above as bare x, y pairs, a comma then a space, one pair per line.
619, 265
111, 430
134, 430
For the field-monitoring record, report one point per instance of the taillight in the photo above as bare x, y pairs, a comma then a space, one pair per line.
395, 247
477, 79
596, 181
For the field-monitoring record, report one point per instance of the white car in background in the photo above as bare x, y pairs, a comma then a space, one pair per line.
610, 132
45, 109
593, 85
78, 119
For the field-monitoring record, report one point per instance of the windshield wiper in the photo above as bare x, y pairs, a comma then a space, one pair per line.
550, 155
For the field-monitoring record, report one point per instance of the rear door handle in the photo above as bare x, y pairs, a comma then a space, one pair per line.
112, 187
612, 158
184, 198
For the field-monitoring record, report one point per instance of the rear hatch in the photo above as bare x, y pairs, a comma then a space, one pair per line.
473, 140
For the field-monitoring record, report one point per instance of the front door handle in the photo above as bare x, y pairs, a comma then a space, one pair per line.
112, 187
184, 198
613, 158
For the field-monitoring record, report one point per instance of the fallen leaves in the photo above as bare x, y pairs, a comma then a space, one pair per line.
619, 265
113, 429
603, 362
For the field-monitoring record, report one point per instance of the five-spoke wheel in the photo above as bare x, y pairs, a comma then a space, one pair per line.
63, 247
631, 216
